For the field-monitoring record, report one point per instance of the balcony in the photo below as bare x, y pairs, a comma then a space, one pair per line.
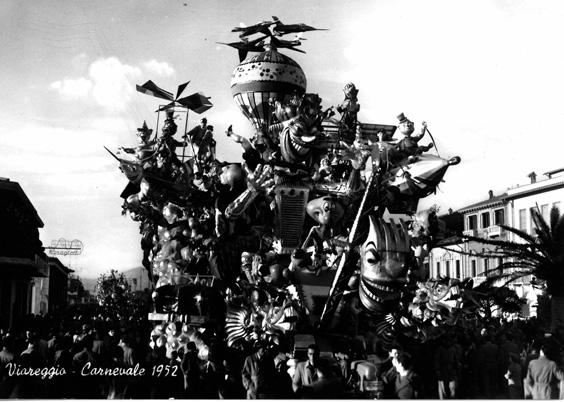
495, 231
471, 232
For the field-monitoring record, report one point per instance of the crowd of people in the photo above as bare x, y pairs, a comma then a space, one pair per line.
94, 358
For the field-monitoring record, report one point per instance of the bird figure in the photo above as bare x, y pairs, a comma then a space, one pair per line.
283, 29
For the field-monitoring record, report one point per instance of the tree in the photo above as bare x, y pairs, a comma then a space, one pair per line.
541, 256
492, 299
114, 294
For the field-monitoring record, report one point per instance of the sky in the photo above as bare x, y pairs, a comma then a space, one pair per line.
486, 76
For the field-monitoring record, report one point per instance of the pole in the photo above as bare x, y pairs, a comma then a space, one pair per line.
352, 235
185, 134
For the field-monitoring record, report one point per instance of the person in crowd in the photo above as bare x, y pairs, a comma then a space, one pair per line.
306, 372
407, 384
325, 386
231, 387
258, 373
488, 361
7, 353
447, 364
191, 370
543, 377
282, 384
514, 378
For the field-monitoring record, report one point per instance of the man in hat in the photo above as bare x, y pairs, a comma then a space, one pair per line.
167, 143
408, 146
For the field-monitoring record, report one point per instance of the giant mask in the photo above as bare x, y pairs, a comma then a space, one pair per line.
299, 133
384, 266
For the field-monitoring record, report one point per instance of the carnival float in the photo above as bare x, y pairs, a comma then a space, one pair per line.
316, 234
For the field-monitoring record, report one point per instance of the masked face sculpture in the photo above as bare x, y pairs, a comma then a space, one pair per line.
297, 137
384, 265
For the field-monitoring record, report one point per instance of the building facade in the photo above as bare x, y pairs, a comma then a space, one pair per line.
21, 253
484, 219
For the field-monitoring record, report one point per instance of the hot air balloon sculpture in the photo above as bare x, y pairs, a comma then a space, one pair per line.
262, 77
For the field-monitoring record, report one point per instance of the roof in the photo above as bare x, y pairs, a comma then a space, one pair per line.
551, 172
14, 187
55, 261
496, 200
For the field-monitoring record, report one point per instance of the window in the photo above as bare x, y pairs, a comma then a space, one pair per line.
485, 218
438, 269
486, 266
532, 230
447, 274
522, 219
499, 262
499, 217
472, 222
473, 264
458, 276
545, 213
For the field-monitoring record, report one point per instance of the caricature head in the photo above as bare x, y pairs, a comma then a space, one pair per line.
405, 126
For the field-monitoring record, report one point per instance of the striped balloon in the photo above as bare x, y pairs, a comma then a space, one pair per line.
267, 75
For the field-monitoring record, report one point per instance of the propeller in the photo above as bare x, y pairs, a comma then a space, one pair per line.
197, 102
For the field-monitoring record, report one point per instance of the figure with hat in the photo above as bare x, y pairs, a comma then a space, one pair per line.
167, 143
146, 147
349, 111
408, 146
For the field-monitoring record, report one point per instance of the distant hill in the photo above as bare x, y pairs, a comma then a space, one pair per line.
89, 284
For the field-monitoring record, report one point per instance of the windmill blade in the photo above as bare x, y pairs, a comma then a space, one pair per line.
196, 102
181, 89
150, 88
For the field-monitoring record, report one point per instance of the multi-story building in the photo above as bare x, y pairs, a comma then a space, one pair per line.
21, 253
49, 293
483, 219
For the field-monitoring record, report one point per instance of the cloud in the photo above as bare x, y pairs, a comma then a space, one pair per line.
113, 82
159, 67
72, 88
110, 83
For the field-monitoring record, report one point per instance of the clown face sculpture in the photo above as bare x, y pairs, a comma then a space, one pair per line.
385, 258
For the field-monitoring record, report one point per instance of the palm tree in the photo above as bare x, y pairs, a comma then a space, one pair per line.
541, 256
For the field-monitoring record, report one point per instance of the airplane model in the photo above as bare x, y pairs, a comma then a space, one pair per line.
283, 29
246, 46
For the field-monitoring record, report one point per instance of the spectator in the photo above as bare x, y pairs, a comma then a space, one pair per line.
258, 373
191, 370
488, 361
447, 364
407, 384
305, 373
514, 378
543, 377
326, 386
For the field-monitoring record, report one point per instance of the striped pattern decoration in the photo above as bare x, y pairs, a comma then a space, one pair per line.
384, 328
267, 75
256, 108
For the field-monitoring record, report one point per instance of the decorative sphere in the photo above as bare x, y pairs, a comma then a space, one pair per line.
264, 76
